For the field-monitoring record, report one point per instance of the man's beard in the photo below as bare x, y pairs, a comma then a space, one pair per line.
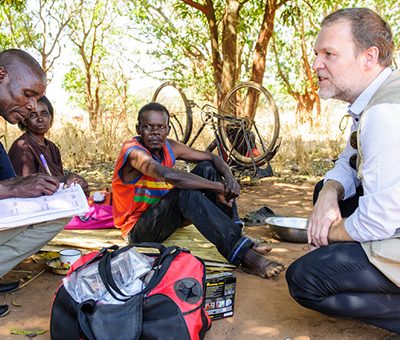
335, 92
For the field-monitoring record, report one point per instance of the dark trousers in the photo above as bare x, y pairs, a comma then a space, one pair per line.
348, 206
214, 220
339, 280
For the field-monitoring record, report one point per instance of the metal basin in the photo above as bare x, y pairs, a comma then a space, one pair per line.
289, 229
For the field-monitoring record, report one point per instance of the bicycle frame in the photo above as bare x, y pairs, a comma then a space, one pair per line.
211, 118
236, 134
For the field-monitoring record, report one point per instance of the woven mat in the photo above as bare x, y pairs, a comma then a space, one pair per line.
88, 240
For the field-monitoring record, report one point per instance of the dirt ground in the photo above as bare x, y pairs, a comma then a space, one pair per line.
263, 308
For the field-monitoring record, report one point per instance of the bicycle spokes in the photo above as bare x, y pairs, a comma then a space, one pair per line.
257, 121
172, 97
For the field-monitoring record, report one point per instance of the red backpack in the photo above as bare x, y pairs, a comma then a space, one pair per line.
171, 306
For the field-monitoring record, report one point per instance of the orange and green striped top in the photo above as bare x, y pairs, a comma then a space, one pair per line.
131, 200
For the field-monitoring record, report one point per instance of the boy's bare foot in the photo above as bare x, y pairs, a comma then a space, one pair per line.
262, 248
256, 264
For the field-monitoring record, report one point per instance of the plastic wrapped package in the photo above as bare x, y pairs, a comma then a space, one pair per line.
128, 269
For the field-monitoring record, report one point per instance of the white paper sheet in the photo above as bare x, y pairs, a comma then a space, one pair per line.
16, 212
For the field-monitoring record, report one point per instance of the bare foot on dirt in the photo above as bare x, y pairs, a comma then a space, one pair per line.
256, 264
262, 248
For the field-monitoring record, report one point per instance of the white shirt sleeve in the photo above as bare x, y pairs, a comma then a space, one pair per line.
343, 172
378, 214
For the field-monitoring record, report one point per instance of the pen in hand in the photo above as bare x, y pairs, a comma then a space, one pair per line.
44, 162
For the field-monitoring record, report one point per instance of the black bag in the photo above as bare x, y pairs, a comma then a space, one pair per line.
170, 307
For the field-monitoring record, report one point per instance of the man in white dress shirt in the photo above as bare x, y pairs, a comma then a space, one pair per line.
359, 199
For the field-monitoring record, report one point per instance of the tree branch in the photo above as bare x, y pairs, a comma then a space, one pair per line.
279, 68
200, 7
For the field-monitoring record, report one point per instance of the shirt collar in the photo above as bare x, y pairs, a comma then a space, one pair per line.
363, 99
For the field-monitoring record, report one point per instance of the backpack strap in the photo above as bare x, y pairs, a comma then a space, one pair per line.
104, 268
161, 248
82, 320
161, 266
98, 256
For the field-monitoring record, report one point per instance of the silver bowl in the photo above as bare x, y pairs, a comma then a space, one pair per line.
289, 229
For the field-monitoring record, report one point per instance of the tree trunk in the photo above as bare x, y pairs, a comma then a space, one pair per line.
215, 55
229, 46
260, 50
260, 56
90, 102
226, 65
311, 98
208, 10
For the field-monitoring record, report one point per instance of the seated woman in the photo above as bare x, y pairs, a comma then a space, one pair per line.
26, 151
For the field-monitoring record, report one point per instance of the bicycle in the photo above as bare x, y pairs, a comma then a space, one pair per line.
237, 134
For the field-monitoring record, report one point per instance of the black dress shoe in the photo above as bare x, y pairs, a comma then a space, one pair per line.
8, 287
3, 310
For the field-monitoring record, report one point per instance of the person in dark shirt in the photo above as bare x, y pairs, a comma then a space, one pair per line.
25, 153
22, 83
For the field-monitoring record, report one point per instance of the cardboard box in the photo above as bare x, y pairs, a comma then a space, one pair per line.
220, 295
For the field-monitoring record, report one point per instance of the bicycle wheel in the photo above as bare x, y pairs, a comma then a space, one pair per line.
249, 124
181, 119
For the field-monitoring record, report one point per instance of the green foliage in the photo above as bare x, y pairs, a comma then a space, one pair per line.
74, 83
179, 29
287, 35
99, 78
109, 35
14, 22
182, 49
183, 40
17, 4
